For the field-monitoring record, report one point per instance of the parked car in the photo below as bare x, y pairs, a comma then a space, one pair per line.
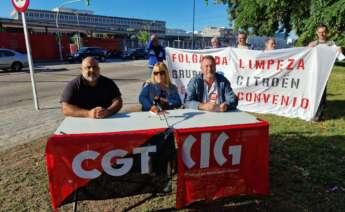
97, 53
10, 59
114, 53
134, 54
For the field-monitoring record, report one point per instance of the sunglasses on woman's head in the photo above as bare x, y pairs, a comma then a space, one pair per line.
159, 72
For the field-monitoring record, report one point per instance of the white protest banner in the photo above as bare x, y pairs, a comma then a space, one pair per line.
285, 82
184, 64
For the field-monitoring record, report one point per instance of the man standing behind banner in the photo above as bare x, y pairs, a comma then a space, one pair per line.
209, 90
91, 94
242, 41
270, 44
156, 53
321, 32
215, 43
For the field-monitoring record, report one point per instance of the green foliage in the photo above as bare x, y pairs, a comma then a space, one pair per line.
265, 17
143, 36
74, 39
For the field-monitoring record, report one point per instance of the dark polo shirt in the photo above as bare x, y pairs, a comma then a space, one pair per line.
79, 93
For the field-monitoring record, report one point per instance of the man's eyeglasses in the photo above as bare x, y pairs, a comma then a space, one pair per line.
159, 72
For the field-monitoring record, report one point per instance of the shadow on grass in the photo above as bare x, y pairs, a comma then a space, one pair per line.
335, 109
307, 172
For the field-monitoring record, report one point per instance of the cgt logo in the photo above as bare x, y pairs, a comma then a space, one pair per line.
108, 166
234, 151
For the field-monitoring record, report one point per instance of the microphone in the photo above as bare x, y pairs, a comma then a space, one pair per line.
157, 103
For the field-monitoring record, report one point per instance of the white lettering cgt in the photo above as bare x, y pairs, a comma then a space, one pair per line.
78, 160
106, 164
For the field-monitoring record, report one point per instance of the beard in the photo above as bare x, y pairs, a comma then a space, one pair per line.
91, 78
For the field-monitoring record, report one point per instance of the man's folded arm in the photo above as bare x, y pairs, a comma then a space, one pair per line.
115, 106
73, 110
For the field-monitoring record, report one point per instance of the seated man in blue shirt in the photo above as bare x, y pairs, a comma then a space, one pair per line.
209, 90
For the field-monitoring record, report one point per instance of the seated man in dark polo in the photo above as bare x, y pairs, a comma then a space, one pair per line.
91, 94
209, 90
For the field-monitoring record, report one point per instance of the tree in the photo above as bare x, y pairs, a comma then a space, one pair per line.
143, 36
265, 17
74, 39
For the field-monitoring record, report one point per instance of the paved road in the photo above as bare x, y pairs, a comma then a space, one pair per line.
20, 123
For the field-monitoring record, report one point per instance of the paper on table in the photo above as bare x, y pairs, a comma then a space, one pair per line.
158, 113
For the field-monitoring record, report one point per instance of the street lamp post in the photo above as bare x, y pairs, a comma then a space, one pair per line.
193, 24
59, 36
178, 39
130, 42
78, 35
57, 25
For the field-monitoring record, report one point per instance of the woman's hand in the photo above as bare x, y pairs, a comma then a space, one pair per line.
154, 109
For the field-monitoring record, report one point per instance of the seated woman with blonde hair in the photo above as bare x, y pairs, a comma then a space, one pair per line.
159, 89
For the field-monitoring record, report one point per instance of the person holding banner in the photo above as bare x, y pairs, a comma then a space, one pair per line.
242, 41
91, 94
270, 44
209, 90
321, 32
156, 53
215, 43
158, 91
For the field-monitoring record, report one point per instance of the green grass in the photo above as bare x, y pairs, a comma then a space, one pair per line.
307, 160
307, 169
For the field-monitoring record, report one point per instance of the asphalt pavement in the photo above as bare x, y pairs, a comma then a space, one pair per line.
20, 123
